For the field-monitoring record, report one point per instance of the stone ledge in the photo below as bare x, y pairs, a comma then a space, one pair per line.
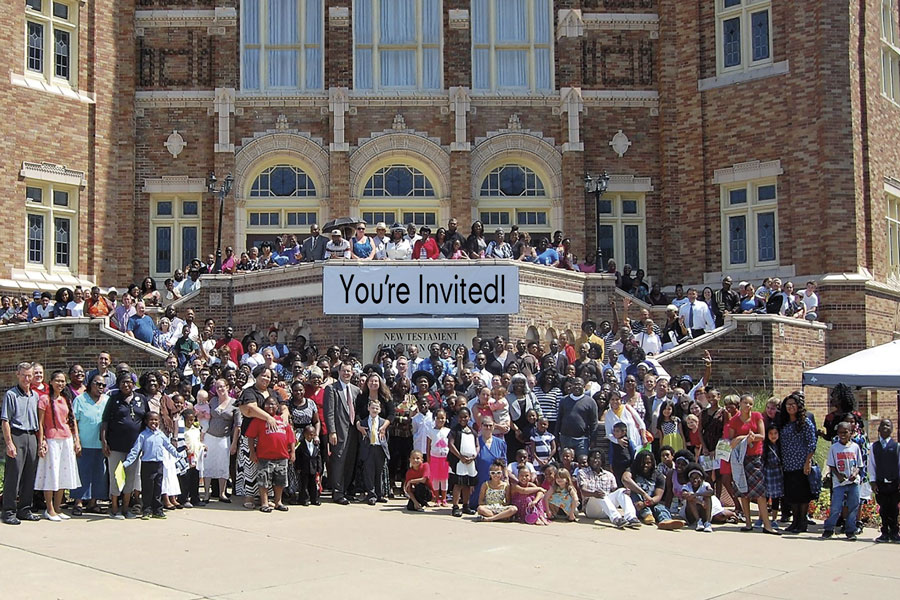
711, 83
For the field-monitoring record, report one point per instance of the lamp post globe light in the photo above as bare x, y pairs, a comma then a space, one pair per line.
223, 190
597, 186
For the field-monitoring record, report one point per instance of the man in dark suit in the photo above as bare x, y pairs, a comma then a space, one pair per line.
558, 358
340, 418
308, 465
313, 247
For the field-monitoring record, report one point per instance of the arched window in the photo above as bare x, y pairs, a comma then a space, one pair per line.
399, 182
283, 200
512, 180
513, 194
282, 181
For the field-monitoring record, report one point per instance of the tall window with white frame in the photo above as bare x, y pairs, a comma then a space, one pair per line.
397, 44
51, 227
281, 45
750, 224
743, 34
513, 194
283, 200
399, 193
51, 40
893, 233
890, 51
512, 45
175, 231
623, 229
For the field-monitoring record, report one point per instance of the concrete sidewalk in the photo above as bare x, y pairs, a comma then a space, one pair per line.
224, 551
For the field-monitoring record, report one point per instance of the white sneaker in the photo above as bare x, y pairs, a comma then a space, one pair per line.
708, 527
49, 517
64, 516
700, 525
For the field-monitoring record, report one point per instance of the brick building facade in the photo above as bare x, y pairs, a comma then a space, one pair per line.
752, 137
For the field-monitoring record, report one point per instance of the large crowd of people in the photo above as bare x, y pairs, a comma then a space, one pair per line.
501, 430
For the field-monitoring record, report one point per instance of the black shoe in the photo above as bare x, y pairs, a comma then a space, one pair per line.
771, 531
468, 511
12, 520
851, 537
29, 517
342, 501
895, 538
382, 500
883, 539
827, 534
305, 503
317, 503
371, 501
456, 512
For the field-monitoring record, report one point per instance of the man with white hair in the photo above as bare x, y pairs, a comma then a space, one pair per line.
19, 419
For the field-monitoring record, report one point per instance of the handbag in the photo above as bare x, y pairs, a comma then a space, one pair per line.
816, 482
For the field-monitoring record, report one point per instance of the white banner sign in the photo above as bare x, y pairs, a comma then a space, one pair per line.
411, 289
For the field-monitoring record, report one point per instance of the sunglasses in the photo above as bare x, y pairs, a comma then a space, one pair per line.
496, 472
360, 228
99, 384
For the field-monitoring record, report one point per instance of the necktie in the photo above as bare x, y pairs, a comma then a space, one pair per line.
373, 431
350, 408
691, 317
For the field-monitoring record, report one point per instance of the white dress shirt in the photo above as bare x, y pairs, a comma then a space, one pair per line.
702, 316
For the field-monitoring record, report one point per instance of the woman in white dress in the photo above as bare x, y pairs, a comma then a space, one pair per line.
58, 443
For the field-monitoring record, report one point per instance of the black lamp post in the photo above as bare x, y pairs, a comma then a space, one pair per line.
222, 191
598, 188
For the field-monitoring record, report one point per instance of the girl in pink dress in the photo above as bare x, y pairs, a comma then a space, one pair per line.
438, 448
528, 498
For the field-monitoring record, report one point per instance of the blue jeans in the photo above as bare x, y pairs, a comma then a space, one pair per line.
841, 495
659, 511
580, 444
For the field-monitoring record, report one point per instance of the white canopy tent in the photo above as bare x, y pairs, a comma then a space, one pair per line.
876, 367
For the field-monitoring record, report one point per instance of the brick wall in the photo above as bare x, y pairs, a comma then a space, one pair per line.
59, 344
761, 353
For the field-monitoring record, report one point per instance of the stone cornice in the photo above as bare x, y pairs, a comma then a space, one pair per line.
220, 17
622, 22
53, 173
175, 184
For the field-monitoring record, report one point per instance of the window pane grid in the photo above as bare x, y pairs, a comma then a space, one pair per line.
512, 181
372, 217
282, 44
744, 34
283, 181
35, 47
893, 222
531, 217
511, 45
750, 223
420, 218
62, 228
301, 218
398, 181
36, 239
396, 44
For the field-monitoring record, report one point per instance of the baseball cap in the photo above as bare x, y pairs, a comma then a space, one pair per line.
112, 290
36, 294
336, 232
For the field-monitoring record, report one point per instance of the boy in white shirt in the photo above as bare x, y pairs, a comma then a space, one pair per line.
845, 460
811, 301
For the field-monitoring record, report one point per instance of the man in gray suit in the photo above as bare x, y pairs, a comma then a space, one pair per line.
313, 247
340, 418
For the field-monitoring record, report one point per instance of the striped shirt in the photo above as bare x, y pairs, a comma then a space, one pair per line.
549, 402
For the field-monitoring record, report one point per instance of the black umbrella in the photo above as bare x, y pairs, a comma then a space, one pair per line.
339, 224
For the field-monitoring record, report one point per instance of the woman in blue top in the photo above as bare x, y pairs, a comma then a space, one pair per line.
490, 448
88, 410
798, 444
361, 246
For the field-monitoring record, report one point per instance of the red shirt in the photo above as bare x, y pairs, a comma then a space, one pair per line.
739, 428
317, 395
423, 471
56, 423
429, 246
272, 445
236, 348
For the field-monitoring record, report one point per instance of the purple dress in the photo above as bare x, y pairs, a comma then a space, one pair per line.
526, 514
